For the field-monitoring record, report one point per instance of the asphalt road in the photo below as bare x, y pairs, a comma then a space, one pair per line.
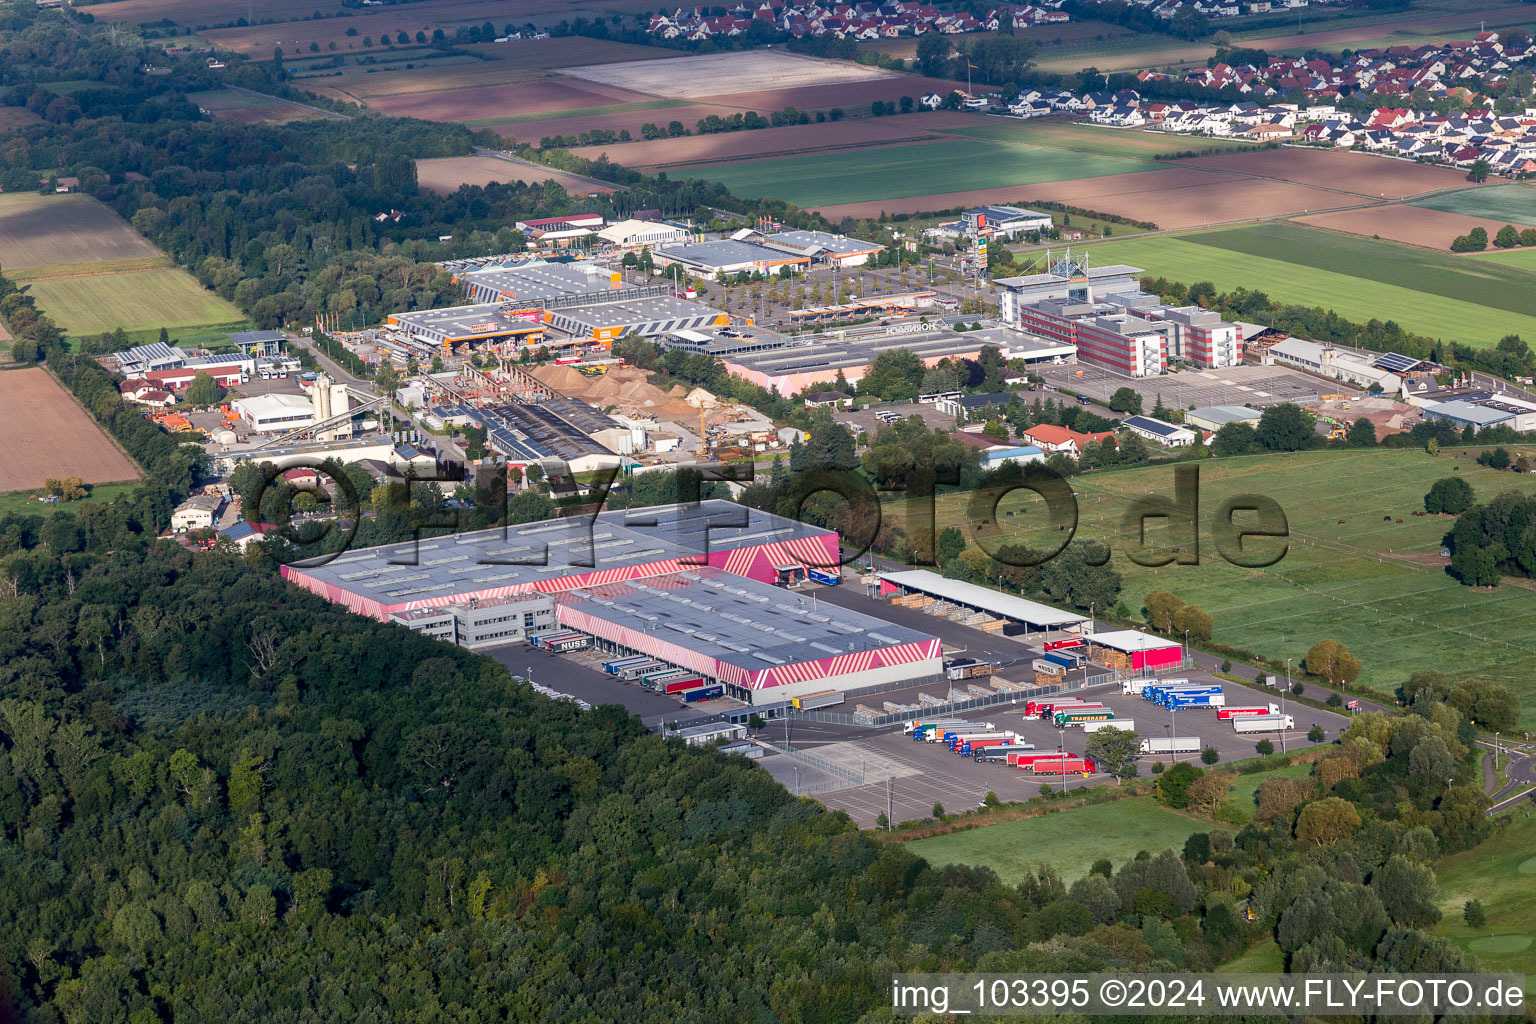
329, 365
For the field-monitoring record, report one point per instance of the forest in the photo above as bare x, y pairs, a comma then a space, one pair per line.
224, 799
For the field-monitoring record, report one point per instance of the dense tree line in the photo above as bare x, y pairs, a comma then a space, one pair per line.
1495, 538
31, 329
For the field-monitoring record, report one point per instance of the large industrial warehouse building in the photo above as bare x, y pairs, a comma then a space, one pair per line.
563, 554
760, 642
637, 581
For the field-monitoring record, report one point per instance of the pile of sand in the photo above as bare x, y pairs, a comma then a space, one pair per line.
627, 390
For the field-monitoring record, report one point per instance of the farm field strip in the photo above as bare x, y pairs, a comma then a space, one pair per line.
445, 174
55, 439
919, 168
88, 269
1069, 841
708, 75
1184, 257
1349, 581
43, 231
1508, 204
1496, 287
1367, 32
1522, 259
1357, 174
164, 297
611, 108
1432, 229
1083, 138
296, 35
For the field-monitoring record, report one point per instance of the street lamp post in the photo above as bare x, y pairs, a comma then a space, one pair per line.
1282, 701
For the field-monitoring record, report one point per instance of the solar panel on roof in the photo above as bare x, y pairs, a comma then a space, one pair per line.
1395, 362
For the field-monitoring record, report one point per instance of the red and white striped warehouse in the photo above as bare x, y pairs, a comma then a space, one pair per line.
692, 585
748, 636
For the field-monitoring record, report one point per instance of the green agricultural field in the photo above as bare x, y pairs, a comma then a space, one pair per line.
1520, 259
1083, 138
1502, 874
896, 172
1351, 571
1435, 294
1069, 841
145, 300
1513, 204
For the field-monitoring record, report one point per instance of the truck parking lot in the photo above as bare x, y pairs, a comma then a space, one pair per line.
924, 773
866, 771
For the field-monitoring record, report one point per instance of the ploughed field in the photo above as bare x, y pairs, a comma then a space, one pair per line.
51, 437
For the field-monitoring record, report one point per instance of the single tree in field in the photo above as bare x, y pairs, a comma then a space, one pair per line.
1450, 495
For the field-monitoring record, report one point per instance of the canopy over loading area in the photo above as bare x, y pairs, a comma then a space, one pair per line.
1034, 617
1135, 651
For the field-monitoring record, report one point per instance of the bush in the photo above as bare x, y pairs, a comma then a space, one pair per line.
1102, 866
1158, 767
1474, 914
1210, 755
1173, 785
1264, 747
990, 800
1226, 666
1334, 700
938, 810
1297, 688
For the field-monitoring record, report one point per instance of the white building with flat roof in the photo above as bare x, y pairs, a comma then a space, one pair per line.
275, 413
636, 234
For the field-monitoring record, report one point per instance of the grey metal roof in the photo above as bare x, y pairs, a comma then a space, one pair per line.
825, 241
637, 311
1224, 414
725, 252
1042, 616
466, 563
737, 620
482, 319
1469, 412
825, 352
255, 337
544, 280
